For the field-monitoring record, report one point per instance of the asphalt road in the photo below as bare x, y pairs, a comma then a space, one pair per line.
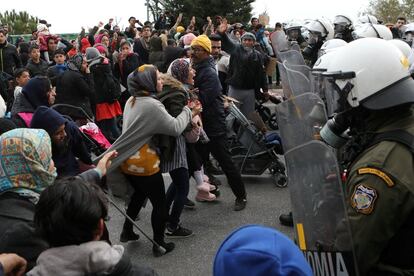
211, 223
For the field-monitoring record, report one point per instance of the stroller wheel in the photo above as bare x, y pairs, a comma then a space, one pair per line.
278, 175
280, 180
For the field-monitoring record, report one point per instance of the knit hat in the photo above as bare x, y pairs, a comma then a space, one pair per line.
248, 35
93, 56
180, 69
188, 38
180, 29
259, 250
143, 81
48, 119
75, 62
36, 91
203, 41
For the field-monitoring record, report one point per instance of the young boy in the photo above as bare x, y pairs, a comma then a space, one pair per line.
70, 216
59, 56
21, 77
35, 65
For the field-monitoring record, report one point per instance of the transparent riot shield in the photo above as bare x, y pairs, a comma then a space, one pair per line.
298, 77
279, 42
300, 119
292, 57
287, 92
318, 206
295, 46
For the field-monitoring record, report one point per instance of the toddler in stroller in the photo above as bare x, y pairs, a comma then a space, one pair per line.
254, 150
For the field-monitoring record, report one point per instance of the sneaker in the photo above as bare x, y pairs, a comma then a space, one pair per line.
286, 219
179, 232
167, 247
128, 235
240, 204
203, 196
189, 204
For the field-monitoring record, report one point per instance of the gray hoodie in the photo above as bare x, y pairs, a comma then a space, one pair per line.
95, 257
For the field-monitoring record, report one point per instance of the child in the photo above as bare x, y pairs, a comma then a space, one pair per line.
53, 72
35, 64
42, 36
70, 216
21, 77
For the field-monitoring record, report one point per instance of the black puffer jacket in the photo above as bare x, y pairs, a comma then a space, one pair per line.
9, 58
76, 89
37, 69
210, 95
107, 87
246, 68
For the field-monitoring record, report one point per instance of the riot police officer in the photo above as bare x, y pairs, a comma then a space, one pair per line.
375, 93
343, 27
320, 30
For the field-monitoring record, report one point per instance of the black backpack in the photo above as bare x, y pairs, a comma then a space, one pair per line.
112, 87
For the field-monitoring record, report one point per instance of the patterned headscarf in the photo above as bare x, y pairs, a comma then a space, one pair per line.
75, 62
25, 156
180, 69
143, 81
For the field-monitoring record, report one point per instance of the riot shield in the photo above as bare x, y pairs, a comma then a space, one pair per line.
295, 46
287, 92
298, 77
319, 212
300, 119
292, 57
279, 42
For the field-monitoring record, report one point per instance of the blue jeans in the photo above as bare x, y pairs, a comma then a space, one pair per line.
177, 195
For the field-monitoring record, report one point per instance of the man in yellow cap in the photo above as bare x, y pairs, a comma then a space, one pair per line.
208, 84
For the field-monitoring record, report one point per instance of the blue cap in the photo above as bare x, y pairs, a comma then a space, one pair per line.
258, 250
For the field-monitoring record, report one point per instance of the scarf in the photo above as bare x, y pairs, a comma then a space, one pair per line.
143, 81
75, 63
25, 159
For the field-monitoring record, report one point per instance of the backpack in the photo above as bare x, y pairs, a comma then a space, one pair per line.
112, 87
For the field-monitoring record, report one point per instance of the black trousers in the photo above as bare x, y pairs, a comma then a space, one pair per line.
218, 147
151, 187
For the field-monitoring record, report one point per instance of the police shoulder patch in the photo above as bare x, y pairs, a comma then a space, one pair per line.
363, 199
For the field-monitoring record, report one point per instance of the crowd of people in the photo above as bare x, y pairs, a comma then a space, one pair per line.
156, 92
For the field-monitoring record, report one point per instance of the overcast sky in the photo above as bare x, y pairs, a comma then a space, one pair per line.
87, 13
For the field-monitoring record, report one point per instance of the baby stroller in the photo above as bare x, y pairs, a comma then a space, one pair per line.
253, 151
92, 135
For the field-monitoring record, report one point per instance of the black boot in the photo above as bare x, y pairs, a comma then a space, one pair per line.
167, 247
286, 219
128, 234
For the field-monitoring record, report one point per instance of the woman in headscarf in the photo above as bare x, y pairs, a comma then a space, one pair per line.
145, 116
27, 169
127, 61
173, 149
76, 87
181, 70
37, 92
